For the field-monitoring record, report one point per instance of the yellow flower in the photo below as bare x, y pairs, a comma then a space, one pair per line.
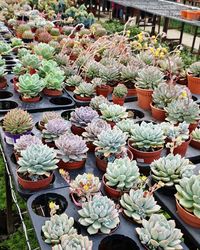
128, 33
52, 205
89, 176
86, 187
62, 171
184, 94
153, 37
143, 178
157, 53
140, 37
152, 50
162, 55
164, 50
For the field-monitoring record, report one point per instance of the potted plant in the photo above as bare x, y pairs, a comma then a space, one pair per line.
126, 125
53, 129
55, 32
97, 101
121, 176
183, 109
3, 81
138, 205
148, 79
84, 92
47, 116
46, 67
72, 151
91, 70
194, 78
16, 123
27, 36
30, 87
119, 94
161, 97
102, 89
83, 187
146, 142
92, 130
21, 29
72, 82
195, 142
23, 142
158, 225
188, 200
31, 62
36, 166
106, 215
44, 50
43, 37
17, 70
80, 118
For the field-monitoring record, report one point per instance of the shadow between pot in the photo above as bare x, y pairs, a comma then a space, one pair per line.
6, 105
66, 114
5, 94
135, 113
60, 100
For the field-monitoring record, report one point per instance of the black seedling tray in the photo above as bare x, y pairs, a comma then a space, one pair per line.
38, 204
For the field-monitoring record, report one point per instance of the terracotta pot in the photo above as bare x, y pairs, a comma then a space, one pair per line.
182, 81
187, 217
32, 71
71, 165
117, 100
34, 99
70, 88
181, 150
194, 84
49, 144
112, 124
144, 157
104, 91
184, 14
192, 126
3, 83
195, 144
131, 92
91, 146
35, 185
157, 113
77, 130
110, 191
83, 99
144, 98
193, 15
52, 92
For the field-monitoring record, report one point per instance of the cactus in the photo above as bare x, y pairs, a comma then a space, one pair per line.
99, 215
25, 141
85, 90
113, 113
44, 37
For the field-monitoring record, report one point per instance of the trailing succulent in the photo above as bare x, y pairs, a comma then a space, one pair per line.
94, 128
56, 227
188, 194
99, 215
37, 160
126, 125
171, 169
96, 102
158, 233
17, 122
25, 141
71, 148
54, 128
85, 90
196, 134
82, 116
113, 113
147, 137
122, 174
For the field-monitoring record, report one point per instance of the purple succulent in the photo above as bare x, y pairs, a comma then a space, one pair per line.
82, 116
24, 141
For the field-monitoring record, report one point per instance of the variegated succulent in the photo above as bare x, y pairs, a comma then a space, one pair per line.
195, 69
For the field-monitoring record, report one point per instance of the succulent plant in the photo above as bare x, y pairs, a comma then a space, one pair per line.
55, 32
22, 28
22, 52
91, 69
15, 42
98, 82
30, 85
122, 174
18, 69
195, 69
17, 122
146, 57
183, 110
120, 91
171, 65
56, 227
47, 66
82, 116
99, 215
47, 116
129, 74
74, 241
31, 61
96, 102
85, 90
74, 81
126, 125
54, 80
25, 141
165, 94
37, 160
85, 185
28, 34
113, 113
94, 128
139, 204
158, 233
4, 48
188, 194
44, 50
171, 169
71, 148
109, 74
54, 128
44, 37
149, 78
196, 134
2, 71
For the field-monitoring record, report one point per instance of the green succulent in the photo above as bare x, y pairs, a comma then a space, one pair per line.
28, 34
56, 227
109, 73
19, 69
196, 134
54, 80
47, 66
37, 160
172, 64
31, 61
139, 204
147, 137
97, 101
146, 57
113, 113
188, 194
129, 73
30, 85
181, 110
195, 69
22, 52
91, 69
99, 215
15, 42
2, 71
158, 233
4, 48
47, 116
126, 125
74, 81
44, 50
120, 91
85, 90
122, 174
171, 169
55, 32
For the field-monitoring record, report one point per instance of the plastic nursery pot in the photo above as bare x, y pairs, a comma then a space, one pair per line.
181, 149
118, 242
11, 138
187, 217
194, 84
192, 126
3, 83
117, 100
49, 144
52, 92
110, 191
144, 157
5, 94
77, 130
184, 14
83, 99
91, 146
193, 15
35, 185
104, 91
182, 81
157, 113
33, 99
70, 88
112, 124
71, 165
195, 144
131, 92
144, 98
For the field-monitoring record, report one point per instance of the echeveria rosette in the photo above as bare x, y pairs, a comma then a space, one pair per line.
195, 69
126, 125
85, 89
196, 134
99, 215
113, 113
97, 101
55, 80
25, 141
158, 233
47, 116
